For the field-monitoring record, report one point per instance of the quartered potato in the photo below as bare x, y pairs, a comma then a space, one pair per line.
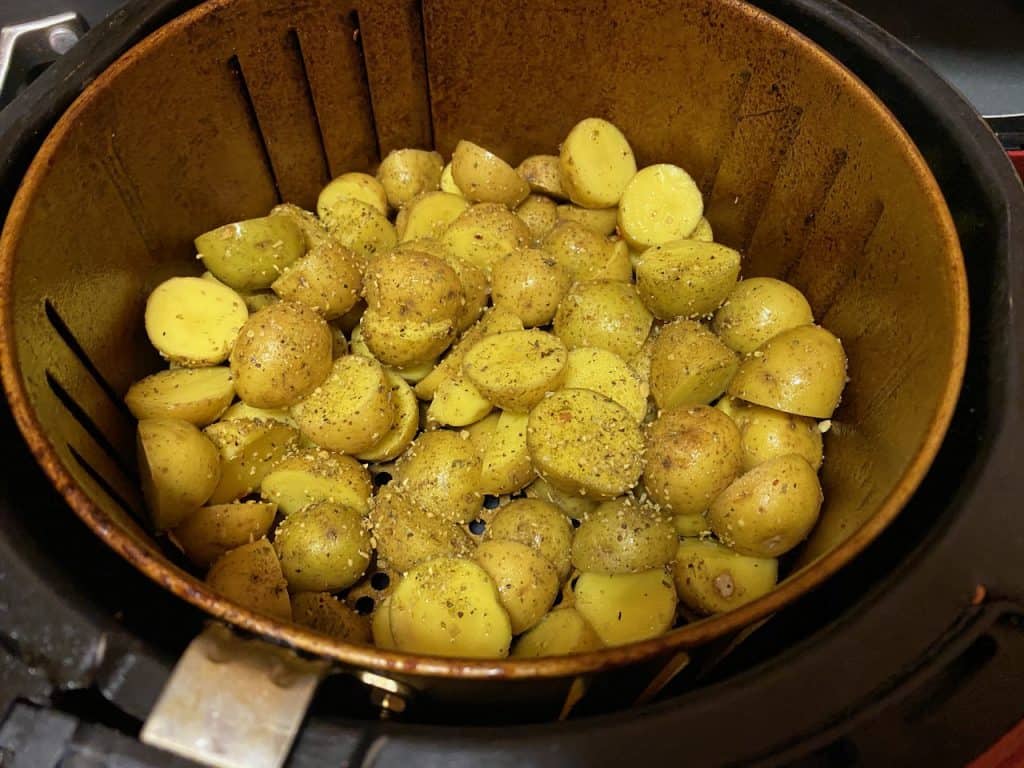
484, 233
529, 283
178, 467
540, 525
196, 395
766, 433
327, 279
407, 422
323, 547
352, 186
626, 607
514, 370
606, 314
758, 309
544, 175
194, 322
428, 215
250, 575
505, 465
527, 582
605, 372
484, 177
623, 536
404, 535
689, 365
314, 474
661, 203
596, 163
209, 532
326, 614
441, 473
560, 633
686, 278
540, 215
406, 173
601, 221
449, 607
801, 371
360, 227
250, 255
249, 449
711, 578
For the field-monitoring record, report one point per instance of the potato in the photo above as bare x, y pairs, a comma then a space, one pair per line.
770, 509
350, 320
689, 365
544, 175
661, 204
476, 291
572, 504
758, 309
457, 403
596, 163
623, 536
691, 525
339, 344
626, 607
249, 255
323, 612
505, 465
484, 233
449, 607
404, 535
540, 215
194, 322
209, 532
703, 231
429, 215
527, 582
196, 395
242, 411
514, 370
540, 525
352, 186
250, 575
352, 410
693, 454
448, 181
484, 177
561, 632
178, 467
323, 547
283, 352
577, 249
412, 286
686, 278
606, 314
601, 221
404, 343
608, 374
313, 232
766, 434
361, 228
407, 422
327, 279
617, 266
406, 173
711, 578
313, 475
441, 472
529, 283
584, 443
380, 625
249, 448
801, 371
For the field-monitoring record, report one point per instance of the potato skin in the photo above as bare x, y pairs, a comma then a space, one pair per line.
540, 214
323, 547
766, 433
441, 471
758, 309
596, 163
484, 233
328, 280
326, 614
307, 476
484, 177
211, 531
405, 536
406, 173
529, 283
538, 524
559, 633
686, 278
527, 582
689, 365
413, 286
623, 536
544, 175
711, 578
249, 255
251, 576
179, 469
606, 314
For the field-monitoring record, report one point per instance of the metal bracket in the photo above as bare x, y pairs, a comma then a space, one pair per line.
26, 47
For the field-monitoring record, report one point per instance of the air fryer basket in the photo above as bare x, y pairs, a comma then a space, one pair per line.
240, 104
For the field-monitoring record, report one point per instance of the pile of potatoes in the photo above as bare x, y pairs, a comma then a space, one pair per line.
474, 410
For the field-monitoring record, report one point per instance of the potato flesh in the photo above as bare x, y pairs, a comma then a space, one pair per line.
196, 395
527, 582
251, 576
505, 465
405, 536
430, 214
457, 403
352, 186
407, 422
316, 475
596, 163
250, 255
560, 633
194, 322
626, 607
211, 531
661, 203
249, 448
178, 467
241, 410
711, 578
608, 374
515, 370
484, 177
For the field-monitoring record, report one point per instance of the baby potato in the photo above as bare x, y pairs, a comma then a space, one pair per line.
249, 255
703, 231
758, 309
323, 547
584, 443
457, 403
209, 532
505, 465
254, 302
514, 370
711, 578
544, 175
770, 509
600, 221
407, 422
283, 352
361, 228
691, 525
249, 449
626, 607
689, 365
380, 626
313, 232
606, 314
323, 612
396, 341
484, 233
660, 204
313, 475
484, 177
412, 286
560, 633
527, 582
529, 283
766, 433
596, 163
178, 467
352, 186
449, 607
623, 536
441, 471
404, 535
801, 371
538, 524
577, 249
475, 288
693, 454
406, 173
250, 575
194, 322
605, 372
572, 504
242, 411
196, 395
327, 279
351, 411
540, 215
617, 266
448, 181
429, 215
686, 278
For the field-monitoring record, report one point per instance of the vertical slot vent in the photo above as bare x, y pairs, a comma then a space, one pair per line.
235, 66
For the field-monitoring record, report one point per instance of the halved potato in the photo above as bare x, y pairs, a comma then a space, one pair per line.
577, 249
360, 227
514, 370
242, 411
530, 283
251, 576
404, 535
711, 578
209, 532
572, 504
623, 535
605, 372
758, 309
661, 203
327, 279
326, 614
505, 460
601, 221
313, 231
596, 163
406, 173
404, 343
323, 547
457, 403
249, 448
527, 582
429, 215
249, 255
689, 365
766, 433
194, 322
407, 422
703, 231
540, 525
626, 607
441, 472
178, 467
484, 233
448, 181
686, 278
484, 177
313, 475
410, 286
352, 186
544, 175
540, 214
560, 633
603, 313
197, 395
